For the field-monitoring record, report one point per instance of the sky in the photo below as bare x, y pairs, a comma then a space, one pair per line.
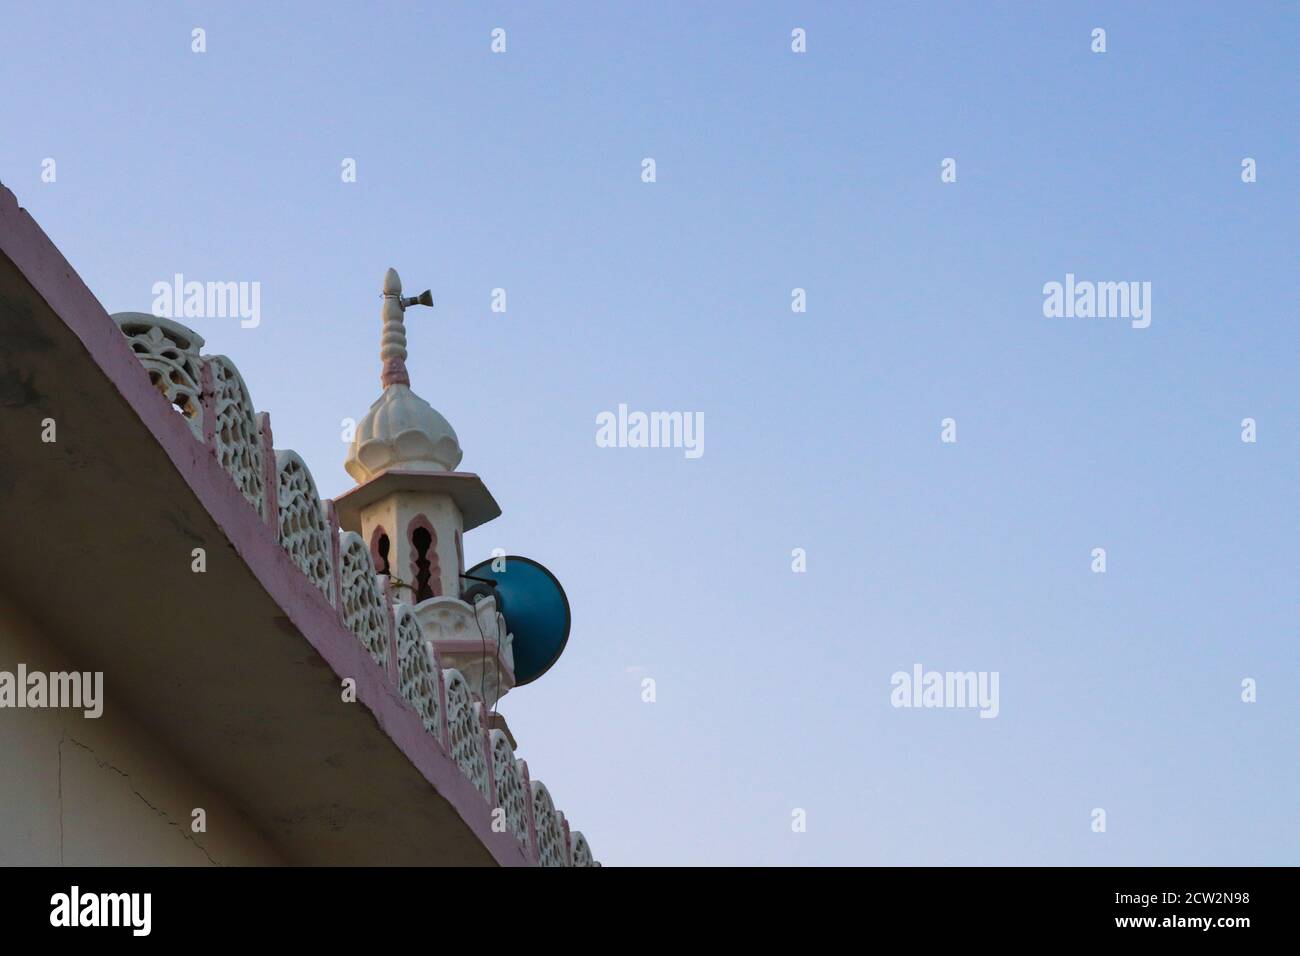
772, 736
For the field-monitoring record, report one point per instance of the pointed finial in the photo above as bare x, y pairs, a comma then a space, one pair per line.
392, 343
392, 283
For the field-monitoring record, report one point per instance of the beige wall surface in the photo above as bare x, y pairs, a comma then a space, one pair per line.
86, 792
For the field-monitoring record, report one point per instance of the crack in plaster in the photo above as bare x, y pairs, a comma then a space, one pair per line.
104, 764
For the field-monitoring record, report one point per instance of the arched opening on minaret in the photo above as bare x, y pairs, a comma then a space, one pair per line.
379, 551
425, 570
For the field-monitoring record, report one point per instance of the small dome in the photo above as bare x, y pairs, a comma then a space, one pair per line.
402, 432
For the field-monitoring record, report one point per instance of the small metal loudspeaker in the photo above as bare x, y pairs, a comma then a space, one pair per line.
424, 298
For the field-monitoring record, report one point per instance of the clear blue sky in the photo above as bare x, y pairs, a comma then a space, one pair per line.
776, 171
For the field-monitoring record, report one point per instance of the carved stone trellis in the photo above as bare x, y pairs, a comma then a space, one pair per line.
465, 731
360, 600
236, 437
303, 532
169, 352
416, 670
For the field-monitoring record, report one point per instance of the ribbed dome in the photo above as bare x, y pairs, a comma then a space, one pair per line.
402, 432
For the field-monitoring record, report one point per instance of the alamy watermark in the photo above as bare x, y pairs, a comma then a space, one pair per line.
651, 430
130, 910
208, 300
1098, 300
60, 689
951, 689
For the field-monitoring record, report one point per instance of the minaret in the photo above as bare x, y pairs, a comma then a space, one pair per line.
412, 507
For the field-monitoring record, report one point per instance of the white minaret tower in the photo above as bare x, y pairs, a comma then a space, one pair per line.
412, 507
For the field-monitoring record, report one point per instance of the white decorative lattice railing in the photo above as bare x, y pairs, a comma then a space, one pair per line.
580, 851
551, 849
511, 788
465, 732
302, 527
210, 394
417, 670
169, 352
361, 601
236, 437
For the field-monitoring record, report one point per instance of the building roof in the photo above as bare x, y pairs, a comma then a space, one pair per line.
237, 670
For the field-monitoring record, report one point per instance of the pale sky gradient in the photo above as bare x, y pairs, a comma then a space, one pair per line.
777, 170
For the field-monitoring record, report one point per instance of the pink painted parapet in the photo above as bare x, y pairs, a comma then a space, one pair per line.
336, 582
270, 474
533, 851
209, 407
485, 741
386, 587
445, 737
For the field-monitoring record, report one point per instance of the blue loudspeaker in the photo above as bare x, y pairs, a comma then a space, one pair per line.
535, 608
